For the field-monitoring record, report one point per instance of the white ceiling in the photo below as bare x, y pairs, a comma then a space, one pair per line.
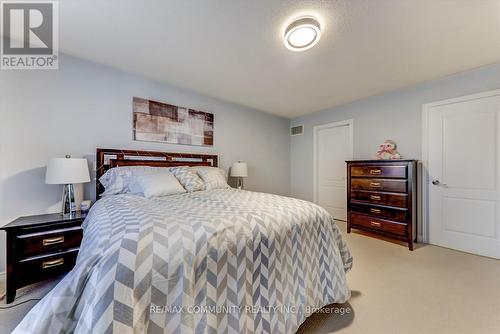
233, 49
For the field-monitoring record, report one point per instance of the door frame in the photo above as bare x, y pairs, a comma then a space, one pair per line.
316, 128
426, 111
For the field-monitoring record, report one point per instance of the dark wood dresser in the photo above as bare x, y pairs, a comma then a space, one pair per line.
41, 247
381, 198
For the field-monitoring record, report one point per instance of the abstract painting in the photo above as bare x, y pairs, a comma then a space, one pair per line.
161, 122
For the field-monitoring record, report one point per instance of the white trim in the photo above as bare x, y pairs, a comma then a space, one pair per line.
3, 284
350, 124
426, 110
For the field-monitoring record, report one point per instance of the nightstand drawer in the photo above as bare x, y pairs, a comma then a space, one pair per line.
45, 242
378, 224
37, 268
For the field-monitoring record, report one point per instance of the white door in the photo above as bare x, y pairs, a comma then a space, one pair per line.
332, 147
464, 174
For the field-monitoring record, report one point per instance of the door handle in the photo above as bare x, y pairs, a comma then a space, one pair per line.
438, 183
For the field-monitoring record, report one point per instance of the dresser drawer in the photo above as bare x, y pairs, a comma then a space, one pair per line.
380, 212
390, 185
378, 224
379, 171
36, 268
392, 199
45, 242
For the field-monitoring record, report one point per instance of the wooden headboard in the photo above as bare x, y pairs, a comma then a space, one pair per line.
110, 158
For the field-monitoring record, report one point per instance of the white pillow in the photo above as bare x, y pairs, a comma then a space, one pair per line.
121, 180
214, 178
157, 185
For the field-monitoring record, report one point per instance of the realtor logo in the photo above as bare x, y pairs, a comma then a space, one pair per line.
29, 31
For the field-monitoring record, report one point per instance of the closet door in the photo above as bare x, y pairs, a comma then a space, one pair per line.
332, 147
464, 175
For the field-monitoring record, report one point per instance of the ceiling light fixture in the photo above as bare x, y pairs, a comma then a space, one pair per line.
302, 34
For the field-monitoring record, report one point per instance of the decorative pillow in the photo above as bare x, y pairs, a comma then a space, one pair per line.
156, 185
188, 178
214, 178
121, 180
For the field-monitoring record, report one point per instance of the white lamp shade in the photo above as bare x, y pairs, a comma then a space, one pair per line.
239, 169
67, 171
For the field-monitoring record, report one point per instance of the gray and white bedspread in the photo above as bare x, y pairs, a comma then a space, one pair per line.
219, 261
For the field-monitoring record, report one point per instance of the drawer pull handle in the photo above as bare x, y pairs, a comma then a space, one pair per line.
372, 210
375, 198
375, 185
53, 241
375, 171
375, 224
53, 263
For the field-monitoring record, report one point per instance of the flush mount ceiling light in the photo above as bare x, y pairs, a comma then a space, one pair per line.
302, 34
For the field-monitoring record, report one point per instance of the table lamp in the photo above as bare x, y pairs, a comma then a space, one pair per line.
67, 171
239, 170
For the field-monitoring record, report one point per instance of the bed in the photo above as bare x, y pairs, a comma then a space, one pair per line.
213, 261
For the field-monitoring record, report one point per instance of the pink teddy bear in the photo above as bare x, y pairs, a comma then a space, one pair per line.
387, 151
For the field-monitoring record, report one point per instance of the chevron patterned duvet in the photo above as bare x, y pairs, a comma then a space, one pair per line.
217, 261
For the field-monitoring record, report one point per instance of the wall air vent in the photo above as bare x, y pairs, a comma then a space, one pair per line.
297, 130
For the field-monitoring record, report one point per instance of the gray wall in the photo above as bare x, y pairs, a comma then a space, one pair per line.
395, 115
84, 105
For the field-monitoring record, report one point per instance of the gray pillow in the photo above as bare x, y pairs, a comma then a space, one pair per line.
188, 178
157, 185
122, 180
214, 178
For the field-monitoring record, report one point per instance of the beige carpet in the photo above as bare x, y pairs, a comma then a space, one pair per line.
430, 290
11, 314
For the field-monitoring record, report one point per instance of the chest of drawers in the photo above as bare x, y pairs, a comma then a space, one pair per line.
381, 198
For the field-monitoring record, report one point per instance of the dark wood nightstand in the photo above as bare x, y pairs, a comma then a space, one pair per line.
41, 247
